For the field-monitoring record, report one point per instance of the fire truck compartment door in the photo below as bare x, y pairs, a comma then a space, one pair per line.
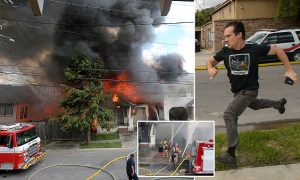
7, 157
7, 152
208, 160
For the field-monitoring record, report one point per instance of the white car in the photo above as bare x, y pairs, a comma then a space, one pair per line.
287, 39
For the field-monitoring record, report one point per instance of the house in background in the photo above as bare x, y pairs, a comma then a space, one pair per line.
23, 104
254, 14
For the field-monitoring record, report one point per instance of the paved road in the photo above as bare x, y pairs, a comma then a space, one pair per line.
213, 96
91, 157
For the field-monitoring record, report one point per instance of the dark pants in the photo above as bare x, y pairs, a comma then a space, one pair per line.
134, 177
242, 100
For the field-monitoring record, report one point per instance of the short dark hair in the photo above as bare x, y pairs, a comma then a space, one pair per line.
238, 27
132, 155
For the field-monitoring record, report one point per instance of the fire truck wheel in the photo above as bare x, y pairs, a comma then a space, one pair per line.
296, 56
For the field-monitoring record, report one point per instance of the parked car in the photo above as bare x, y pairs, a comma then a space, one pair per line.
287, 39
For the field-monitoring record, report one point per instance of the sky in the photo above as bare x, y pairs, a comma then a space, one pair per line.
176, 38
207, 3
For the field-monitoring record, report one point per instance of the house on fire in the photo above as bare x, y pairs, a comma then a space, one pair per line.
26, 103
169, 102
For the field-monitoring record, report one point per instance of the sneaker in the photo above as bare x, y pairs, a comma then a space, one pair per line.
226, 159
281, 110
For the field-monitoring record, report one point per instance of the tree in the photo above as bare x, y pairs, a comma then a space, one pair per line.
288, 8
85, 100
204, 16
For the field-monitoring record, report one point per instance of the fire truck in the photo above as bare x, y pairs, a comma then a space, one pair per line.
20, 146
204, 161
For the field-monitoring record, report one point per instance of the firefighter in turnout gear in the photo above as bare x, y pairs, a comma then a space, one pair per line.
165, 149
175, 153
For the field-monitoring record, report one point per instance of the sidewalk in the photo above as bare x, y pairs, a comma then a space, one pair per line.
280, 172
129, 140
202, 57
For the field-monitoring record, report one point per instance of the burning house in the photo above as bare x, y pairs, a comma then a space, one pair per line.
116, 32
24, 104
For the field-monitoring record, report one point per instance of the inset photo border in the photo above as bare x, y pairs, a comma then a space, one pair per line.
177, 149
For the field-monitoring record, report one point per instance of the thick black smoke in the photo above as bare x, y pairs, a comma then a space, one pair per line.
113, 30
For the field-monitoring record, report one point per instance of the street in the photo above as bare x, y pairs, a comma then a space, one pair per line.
89, 157
213, 96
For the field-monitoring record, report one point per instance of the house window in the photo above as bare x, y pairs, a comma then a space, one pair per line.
6, 109
24, 112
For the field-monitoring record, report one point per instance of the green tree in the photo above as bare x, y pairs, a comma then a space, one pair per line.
204, 16
288, 8
85, 100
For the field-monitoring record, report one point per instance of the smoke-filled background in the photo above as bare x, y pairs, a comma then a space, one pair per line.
117, 31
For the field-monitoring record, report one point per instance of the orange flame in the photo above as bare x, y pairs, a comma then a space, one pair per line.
115, 98
123, 89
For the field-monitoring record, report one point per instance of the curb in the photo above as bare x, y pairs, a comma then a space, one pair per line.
201, 68
264, 123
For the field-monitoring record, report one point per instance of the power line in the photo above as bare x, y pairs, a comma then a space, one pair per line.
20, 69
144, 2
126, 20
177, 4
198, 4
95, 69
116, 80
94, 7
104, 25
60, 85
96, 35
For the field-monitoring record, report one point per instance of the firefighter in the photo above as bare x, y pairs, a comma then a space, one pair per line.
165, 149
175, 153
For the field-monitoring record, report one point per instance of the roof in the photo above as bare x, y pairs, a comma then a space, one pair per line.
17, 94
220, 6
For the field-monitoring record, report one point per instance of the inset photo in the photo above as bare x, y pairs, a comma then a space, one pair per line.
181, 148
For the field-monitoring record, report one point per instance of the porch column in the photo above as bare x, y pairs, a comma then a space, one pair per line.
130, 120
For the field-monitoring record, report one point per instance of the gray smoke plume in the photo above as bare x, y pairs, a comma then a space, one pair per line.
113, 30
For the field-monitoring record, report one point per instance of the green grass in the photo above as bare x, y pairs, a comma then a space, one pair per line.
99, 137
263, 147
102, 145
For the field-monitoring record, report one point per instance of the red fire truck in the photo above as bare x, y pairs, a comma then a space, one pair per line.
204, 162
19, 146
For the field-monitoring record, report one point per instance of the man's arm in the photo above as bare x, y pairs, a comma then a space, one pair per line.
132, 169
211, 67
289, 72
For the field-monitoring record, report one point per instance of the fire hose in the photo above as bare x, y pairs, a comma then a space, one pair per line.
92, 167
150, 174
100, 170
78, 165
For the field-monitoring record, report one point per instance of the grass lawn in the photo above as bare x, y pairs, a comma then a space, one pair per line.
99, 137
263, 147
102, 145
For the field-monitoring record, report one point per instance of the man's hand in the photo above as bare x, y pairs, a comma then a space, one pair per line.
211, 67
291, 74
212, 71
